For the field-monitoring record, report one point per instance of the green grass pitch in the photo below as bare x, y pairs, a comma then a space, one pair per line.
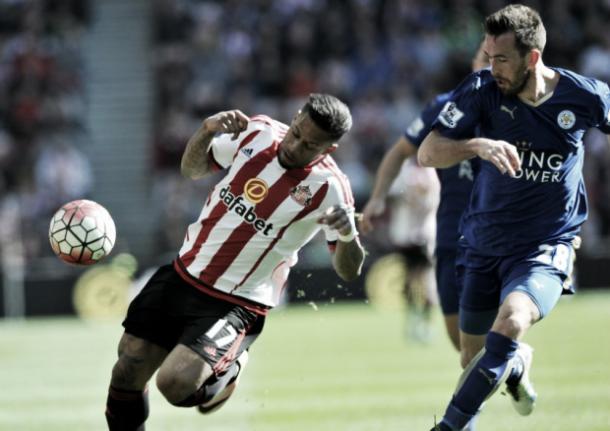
334, 367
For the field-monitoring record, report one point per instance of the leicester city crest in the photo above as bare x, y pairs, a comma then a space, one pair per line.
301, 194
566, 119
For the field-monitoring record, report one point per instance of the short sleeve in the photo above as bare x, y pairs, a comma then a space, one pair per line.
604, 107
462, 111
419, 128
339, 194
223, 147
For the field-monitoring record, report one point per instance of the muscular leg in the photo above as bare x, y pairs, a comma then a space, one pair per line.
208, 358
182, 374
517, 314
127, 403
451, 324
492, 365
186, 379
471, 345
138, 360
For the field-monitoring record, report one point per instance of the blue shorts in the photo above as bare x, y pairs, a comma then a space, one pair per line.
446, 281
487, 280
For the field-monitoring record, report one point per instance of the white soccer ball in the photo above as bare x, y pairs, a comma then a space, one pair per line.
82, 232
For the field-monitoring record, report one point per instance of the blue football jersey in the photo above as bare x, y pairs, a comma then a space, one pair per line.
456, 181
546, 201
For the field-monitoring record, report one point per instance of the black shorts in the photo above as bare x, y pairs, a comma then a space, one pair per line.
416, 256
169, 311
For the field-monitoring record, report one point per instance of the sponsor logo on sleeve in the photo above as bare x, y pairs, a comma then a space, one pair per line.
415, 127
450, 115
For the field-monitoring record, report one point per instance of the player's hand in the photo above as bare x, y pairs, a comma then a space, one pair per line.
337, 218
502, 154
373, 209
233, 121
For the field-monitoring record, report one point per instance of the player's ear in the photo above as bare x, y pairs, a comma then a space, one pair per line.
331, 149
534, 55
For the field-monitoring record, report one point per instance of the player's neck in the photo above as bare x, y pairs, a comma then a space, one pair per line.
540, 84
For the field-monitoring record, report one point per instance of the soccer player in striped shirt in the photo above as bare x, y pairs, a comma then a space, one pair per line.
196, 318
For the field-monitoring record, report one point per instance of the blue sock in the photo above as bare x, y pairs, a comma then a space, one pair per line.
471, 425
481, 380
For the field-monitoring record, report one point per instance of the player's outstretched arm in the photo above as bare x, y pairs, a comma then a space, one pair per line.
386, 174
349, 254
440, 152
195, 161
436, 151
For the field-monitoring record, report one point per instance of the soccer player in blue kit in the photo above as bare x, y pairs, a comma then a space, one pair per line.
527, 203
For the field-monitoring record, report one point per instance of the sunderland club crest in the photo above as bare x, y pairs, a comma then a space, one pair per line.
301, 194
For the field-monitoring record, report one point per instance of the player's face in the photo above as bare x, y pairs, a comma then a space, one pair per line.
508, 67
304, 142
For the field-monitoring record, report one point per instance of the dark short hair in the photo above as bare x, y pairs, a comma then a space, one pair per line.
329, 114
523, 21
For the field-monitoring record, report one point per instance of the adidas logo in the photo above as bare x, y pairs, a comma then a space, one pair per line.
247, 151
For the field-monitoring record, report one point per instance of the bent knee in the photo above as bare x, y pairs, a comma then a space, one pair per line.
175, 387
513, 325
127, 376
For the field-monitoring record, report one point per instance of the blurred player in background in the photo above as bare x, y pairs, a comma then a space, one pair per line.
456, 184
195, 320
528, 200
413, 200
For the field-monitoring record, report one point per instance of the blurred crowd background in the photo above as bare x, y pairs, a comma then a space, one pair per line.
385, 58
42, 112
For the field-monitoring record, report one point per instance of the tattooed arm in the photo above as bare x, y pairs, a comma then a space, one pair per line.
195, 160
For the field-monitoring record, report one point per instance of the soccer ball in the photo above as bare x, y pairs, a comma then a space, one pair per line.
82, 232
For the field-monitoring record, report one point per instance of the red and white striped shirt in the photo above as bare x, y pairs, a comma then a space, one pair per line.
257, 217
